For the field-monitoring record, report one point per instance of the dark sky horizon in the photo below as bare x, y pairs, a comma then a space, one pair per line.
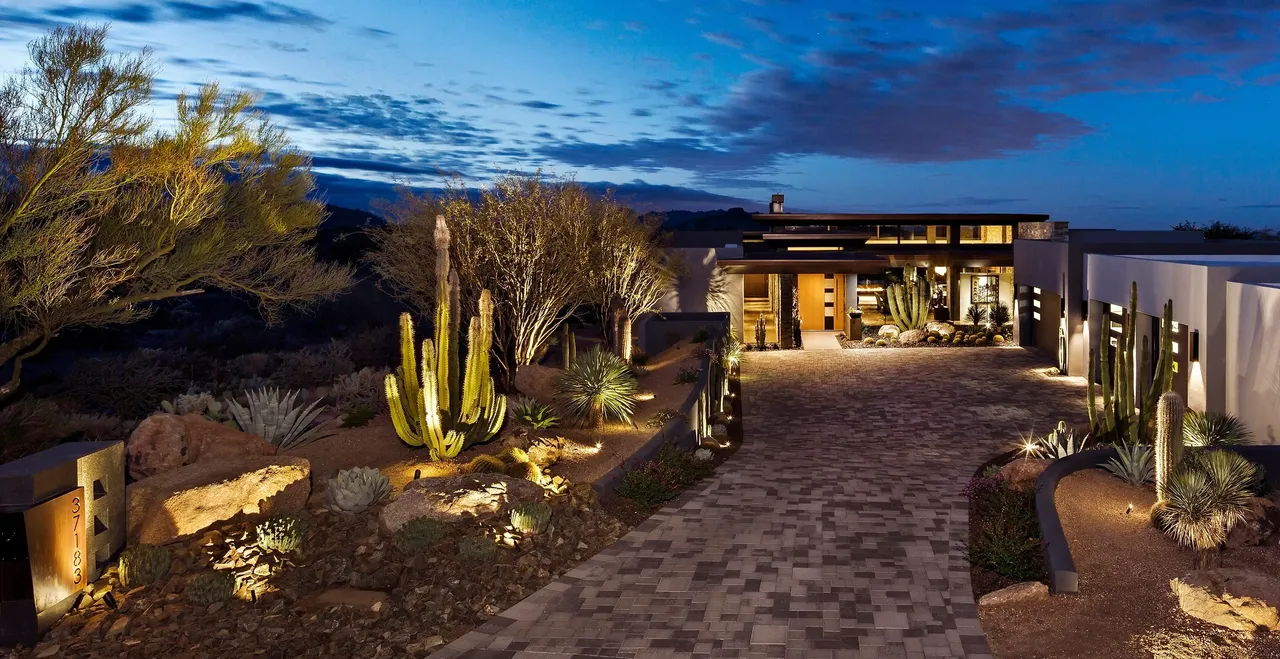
1123, 113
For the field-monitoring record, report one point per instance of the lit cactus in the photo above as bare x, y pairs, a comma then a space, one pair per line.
211, 588
909, 304
760, 331
1122, 391
485, 464
1169, 414
354, 490
440, 406
144, 565
531, 518
568, 346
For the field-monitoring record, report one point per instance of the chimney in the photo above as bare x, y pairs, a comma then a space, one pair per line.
775, 206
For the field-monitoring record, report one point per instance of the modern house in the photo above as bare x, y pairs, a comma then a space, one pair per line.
817, 266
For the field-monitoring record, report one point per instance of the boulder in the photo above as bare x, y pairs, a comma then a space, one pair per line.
183, 502
1027, 591
942, 327
163, 442
1023, 472
1258, 527
1237, 599
537, 382
888, 332
911, 337
449, 498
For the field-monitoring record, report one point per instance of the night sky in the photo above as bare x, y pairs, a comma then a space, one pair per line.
1134, 113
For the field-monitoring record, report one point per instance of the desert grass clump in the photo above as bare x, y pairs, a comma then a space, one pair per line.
1204, 500
282, 534
474, 548
598, 386
1209, 429
143, 565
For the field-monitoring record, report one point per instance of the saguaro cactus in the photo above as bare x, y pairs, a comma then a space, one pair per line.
909, 304
1168, 439
442, 406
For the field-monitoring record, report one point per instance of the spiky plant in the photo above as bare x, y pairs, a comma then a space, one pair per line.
211, 587
354, 490
282, 534
278, 418
475, 548
1169, 442
1205, 499
598, 386
531, 518
1133, 464
1062, 442
1000, 314
909, 304
729, 350
143, 565
760, 331
977, 315
529, 471
1207, 429
534, 414
417, 535
485, 464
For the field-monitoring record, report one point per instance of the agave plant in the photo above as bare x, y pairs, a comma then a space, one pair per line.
1134, 464
598, 385
354, 490
1206, 499
277, 419
536, 415
1206, 429
1062, 442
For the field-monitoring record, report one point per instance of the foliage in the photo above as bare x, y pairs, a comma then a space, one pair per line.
363, 388
1000, 314
98, 427
353, 491
358, 416
282, 534
700, 336
531, 518
1005, 537
211, 587
417, 535
662, 417
1116, 422
101, 215
909, 304
534, 414
1205, 499
375, 348
29, 425
704, 454
276, 418
1133, 464
729, 352
645, 487
474, 548
598, 386
143, 565
126, 385
639, 358
630, 271
485, 464
688, 375
1169, 440
681, 468
314, 365
1210, 429
977, 315
444, 407
202, 403
1062, 442
1219, 230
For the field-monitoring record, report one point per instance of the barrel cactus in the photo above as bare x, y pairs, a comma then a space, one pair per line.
485, 464
282, 534
144, 565
211, 587
420, 534
531, 517
476, 548
1169, 417
353, 491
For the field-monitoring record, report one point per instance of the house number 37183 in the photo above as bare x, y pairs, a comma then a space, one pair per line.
77, 559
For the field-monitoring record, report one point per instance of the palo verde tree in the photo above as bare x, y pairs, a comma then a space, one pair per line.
630, 270
101, 215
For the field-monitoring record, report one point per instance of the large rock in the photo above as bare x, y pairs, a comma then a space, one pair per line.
163, 442
1027, 591
1233, 598
1022, 473
888, 332
942, 327
1258, 527
183, 502
537, 382
449, 498
911, 337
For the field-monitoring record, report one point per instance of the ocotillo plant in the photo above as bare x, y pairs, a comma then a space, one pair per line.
1169, 440
909, 304
1126, 413
447, 409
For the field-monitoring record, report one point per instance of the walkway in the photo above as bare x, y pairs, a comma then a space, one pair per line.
817, 340
836, 531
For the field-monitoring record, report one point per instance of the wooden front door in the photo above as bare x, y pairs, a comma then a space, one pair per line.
820, 300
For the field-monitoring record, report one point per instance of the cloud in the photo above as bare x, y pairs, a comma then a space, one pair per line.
376, 33
641, 112
285, 47
768, 27
1201, 97
420, 119
539, 105
367, 165
722, 39
214, 11
633, 26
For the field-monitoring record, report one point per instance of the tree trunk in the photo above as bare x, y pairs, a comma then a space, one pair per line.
618, 320
12, 352
597, 415
625, 339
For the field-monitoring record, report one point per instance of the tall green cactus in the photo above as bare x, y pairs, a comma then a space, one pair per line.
568, 346
440, 405
909, 304
1169, 439
1128, 402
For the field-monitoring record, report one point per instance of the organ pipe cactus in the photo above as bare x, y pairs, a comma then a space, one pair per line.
760, 332
1169, 416
909, 304
1128, 401
568, 346
354, 490
442, 406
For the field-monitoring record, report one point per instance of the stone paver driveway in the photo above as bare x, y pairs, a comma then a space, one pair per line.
836, 531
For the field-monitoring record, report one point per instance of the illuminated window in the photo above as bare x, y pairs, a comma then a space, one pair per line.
1174, 325
1115, 308
1035, 289
1035, 315
1175, 347
1035, 303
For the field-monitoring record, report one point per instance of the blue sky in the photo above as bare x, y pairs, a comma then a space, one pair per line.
1131, 113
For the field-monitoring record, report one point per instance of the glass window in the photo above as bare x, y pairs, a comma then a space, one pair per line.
970, 234
914, 234
884, 234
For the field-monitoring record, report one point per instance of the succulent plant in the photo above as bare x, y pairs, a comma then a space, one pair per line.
1062, 442
599, 385
485, 464
144, 565
211, 587
1133, 464
1169, 441
703, 454
531, 517
513, 454
365, 387
417, 535
354, 490
275, 418
531, 413
882, 343
997, 339
525, 470
476, 548
282, 534
868, 341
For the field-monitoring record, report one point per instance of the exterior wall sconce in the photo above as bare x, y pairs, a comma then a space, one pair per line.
1195, 345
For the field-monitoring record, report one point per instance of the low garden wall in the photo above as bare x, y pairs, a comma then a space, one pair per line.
655, 333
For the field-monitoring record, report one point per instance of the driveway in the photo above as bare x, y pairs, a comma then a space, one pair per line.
836, 531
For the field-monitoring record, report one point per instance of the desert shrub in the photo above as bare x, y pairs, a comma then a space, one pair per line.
314, 365
99, 427
282, 534
533, 414
688, 375
645, 488
639, 357
1005, 533
681, 469
378, 347
29, 425
1206, 429
127, 385
1209, 494
598, 386
420, 534
661, 479
363, 388
358, 416
662, 417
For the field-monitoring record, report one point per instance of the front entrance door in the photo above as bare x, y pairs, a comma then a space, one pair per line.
820, 301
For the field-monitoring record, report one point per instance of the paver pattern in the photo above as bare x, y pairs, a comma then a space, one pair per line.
836, 531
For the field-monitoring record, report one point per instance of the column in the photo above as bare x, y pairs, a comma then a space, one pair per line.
786, 310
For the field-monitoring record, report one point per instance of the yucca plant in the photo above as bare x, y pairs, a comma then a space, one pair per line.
1134, 464
277, 419
1208, 429
535, 415
1204, 500
598, 386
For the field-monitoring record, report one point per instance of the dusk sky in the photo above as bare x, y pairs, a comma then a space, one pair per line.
1133, 113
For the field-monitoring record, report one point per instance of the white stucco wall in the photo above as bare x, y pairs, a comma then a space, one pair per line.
690, 294
1042, 264
1253, 358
